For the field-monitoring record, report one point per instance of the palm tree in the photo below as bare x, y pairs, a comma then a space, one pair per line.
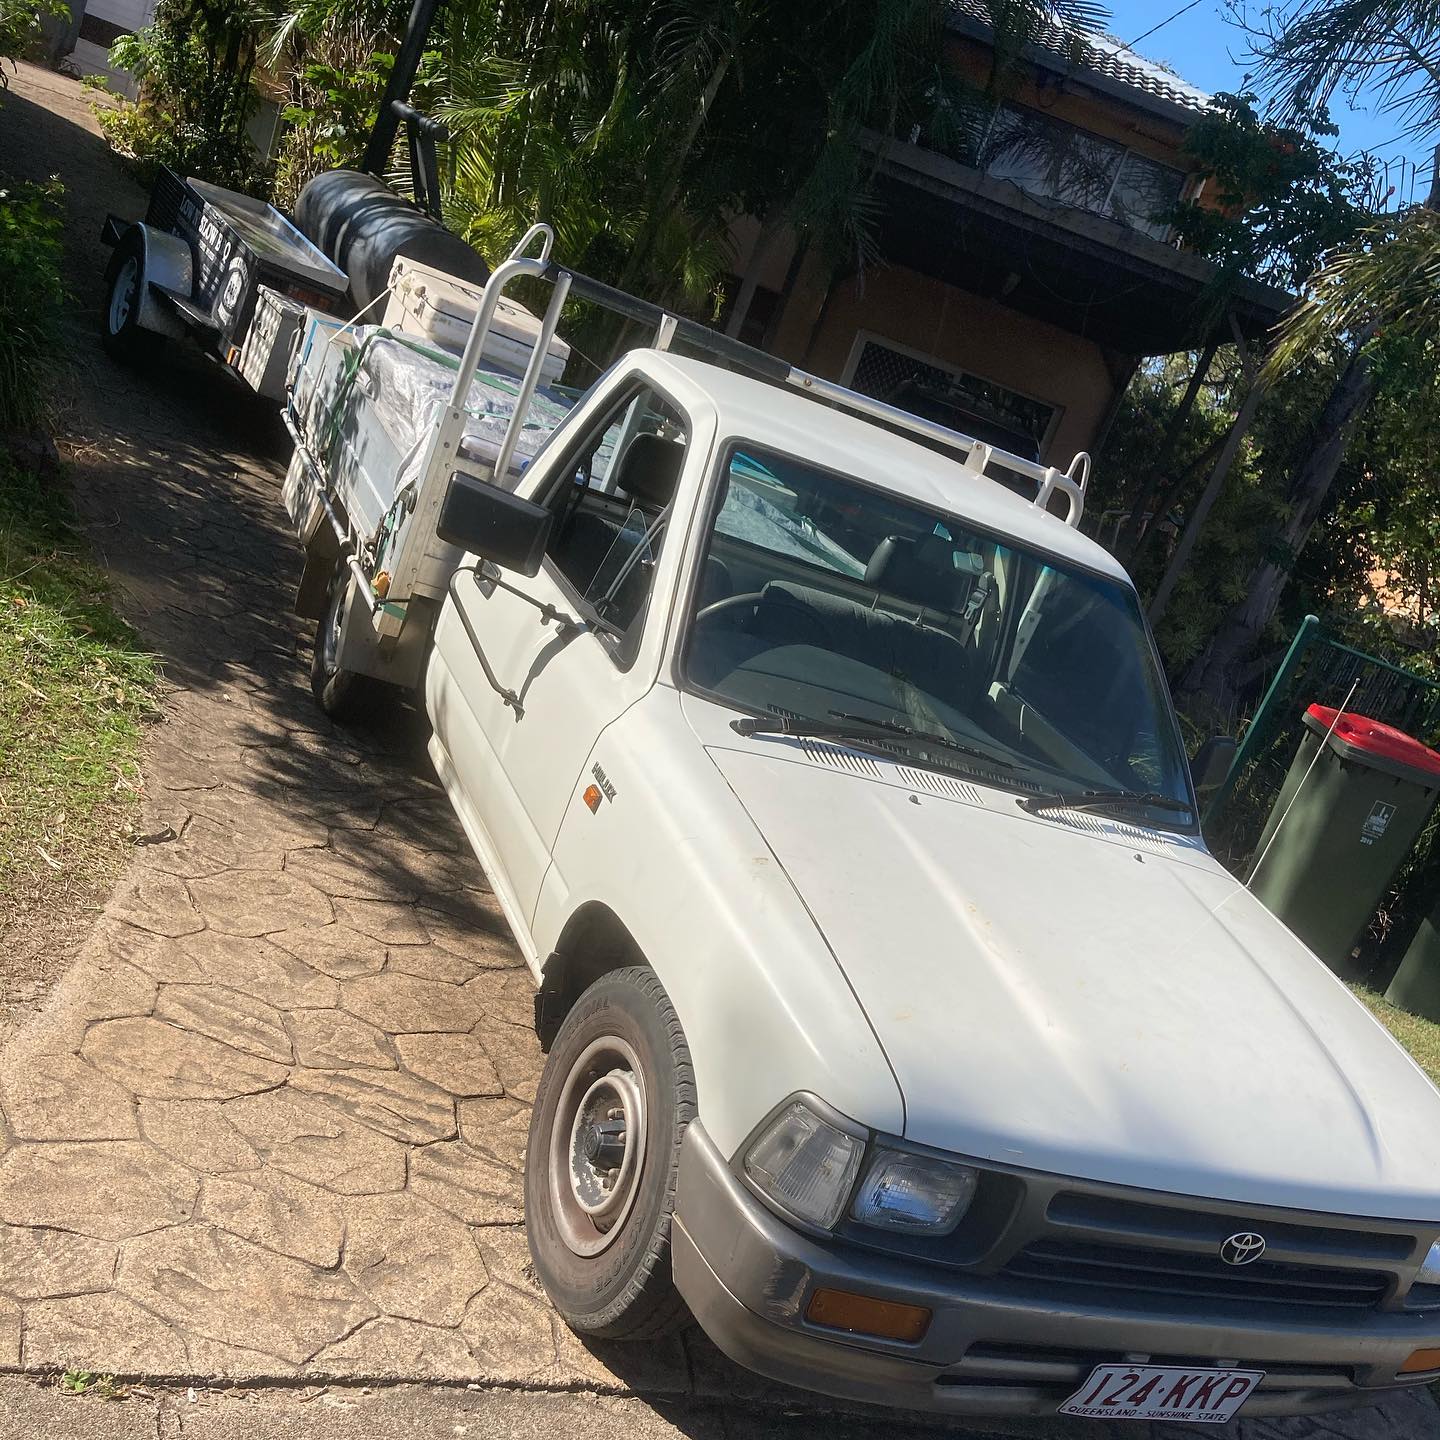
643, 128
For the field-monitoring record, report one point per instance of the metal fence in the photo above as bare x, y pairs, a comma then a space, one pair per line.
1319, 669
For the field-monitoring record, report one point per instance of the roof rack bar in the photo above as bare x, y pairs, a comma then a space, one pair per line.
685, 332
890, 414
676, 330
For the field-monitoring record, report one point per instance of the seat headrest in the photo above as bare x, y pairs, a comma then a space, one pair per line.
649, 470
923, 571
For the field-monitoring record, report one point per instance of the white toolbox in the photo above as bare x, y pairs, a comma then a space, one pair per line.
439, 308
265, 356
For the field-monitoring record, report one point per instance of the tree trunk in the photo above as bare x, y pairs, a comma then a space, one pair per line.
838, 277
1170, 498
1195, 522
1213, 673
787, 291
1130, 533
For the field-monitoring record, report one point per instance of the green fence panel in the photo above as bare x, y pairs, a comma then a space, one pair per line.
1317, 669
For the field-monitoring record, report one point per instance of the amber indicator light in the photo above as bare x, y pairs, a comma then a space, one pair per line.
1421, 1360
864, 1315
592, 797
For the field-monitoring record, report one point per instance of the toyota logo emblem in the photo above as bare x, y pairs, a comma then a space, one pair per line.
1243, 1248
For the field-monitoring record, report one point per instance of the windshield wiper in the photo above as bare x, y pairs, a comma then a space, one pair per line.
1103, 799
798, 726
853, 727
925, 737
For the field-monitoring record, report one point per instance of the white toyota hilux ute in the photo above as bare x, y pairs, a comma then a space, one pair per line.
900, 1027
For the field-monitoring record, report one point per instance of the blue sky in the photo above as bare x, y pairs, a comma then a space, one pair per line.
1200, 46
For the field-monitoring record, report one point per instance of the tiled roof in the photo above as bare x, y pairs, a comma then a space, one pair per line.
1107, 64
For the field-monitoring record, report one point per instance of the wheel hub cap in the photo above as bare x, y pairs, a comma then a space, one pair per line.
597, 1145
605, 1143
123, 294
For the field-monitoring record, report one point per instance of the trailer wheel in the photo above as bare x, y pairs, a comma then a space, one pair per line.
616, 1095
120, 331
343, 695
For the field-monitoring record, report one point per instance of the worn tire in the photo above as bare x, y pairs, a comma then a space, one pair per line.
343, 695
624, 1291
120, 331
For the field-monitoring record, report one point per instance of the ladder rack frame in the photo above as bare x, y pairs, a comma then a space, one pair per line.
531, 259
671, 330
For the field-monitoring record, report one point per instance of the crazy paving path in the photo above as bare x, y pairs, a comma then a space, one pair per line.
271, 1122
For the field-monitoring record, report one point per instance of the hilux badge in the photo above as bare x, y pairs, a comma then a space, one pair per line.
1241, 1249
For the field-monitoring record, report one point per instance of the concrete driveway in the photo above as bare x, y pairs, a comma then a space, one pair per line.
271, 1122
269, 1127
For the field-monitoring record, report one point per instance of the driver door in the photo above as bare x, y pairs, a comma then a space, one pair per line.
513, 769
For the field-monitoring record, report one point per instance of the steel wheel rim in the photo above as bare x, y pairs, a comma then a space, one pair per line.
122, 294
597, 1145
330, 635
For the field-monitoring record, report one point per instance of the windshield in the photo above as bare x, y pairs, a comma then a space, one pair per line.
827, 601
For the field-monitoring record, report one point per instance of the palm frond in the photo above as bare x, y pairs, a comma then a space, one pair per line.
1386, 282
1311, 51
1017, 23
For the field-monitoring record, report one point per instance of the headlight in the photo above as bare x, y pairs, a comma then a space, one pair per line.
914, 1194
1430, 1270
805, 1164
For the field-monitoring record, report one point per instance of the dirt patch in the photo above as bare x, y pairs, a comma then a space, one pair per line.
41, 932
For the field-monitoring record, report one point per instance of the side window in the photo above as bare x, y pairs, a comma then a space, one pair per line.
612, 505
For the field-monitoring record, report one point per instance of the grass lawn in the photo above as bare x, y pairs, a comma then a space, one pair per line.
1420, 1037
75, 687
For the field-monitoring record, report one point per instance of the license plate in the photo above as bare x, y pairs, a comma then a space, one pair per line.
1161, 1392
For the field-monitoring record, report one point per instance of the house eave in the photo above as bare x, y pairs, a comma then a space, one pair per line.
1112, 254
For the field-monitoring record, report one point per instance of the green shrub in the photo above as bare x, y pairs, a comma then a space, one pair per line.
31, 295
194, 63
19, 24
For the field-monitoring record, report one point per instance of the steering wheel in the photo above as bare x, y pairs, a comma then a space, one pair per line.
730, 602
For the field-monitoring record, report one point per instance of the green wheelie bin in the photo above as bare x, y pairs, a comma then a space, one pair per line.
1356, 797
1416, 986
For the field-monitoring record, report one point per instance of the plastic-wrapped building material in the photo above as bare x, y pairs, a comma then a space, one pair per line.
368, 402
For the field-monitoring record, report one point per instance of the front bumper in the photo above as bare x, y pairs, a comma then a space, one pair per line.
748, 1278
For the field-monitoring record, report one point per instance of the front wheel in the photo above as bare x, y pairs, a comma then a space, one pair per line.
601, 1164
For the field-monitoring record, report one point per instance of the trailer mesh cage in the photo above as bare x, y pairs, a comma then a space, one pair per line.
167, 200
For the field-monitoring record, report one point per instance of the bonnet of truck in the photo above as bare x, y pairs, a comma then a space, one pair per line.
1086, 997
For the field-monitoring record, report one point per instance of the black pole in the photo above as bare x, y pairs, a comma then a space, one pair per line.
402, 78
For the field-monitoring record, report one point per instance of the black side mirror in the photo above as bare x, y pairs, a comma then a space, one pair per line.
1212, 763
494, 524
